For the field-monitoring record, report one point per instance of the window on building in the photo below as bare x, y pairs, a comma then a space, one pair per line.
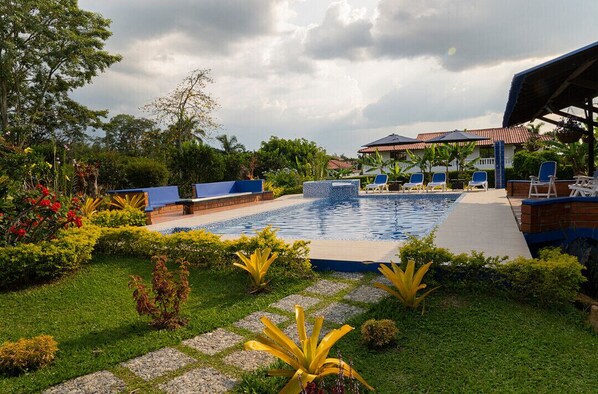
486, 152
398, 155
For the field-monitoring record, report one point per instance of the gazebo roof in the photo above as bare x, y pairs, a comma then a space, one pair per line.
565, 81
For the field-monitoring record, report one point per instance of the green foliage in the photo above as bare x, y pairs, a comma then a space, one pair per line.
379, 333
119, 218
528, 163
422, 250
27, 355
573, 155
424, 162
204, 249
111, 167
286, 178
167, 295
552, 278
276, 190
278, 153
128, 135
144, 172
293, 259
24, 264
196, 163
50, 48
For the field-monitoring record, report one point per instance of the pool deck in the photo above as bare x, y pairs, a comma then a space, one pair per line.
481, 221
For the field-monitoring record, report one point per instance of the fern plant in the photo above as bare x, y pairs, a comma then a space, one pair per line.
309, 360
406, 283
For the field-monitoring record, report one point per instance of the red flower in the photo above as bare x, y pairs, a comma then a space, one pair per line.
43, 189
78, 222
21, 232
71, 216
75, 200
55, 207
44, 203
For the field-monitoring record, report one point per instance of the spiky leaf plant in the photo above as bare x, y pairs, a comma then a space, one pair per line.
129, 201
309, 361
90, 206
407, 283
257, 266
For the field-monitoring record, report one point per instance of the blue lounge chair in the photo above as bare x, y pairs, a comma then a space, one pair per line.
416, 181
546, 177
380, 183
479, 178
438, 180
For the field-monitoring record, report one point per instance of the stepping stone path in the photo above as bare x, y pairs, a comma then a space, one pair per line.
339, 313
157, 363
288, 303
208, 379
252, 322
102, 382
326, 287
367, 294
214, 342
202, 380
249, 360
382, 279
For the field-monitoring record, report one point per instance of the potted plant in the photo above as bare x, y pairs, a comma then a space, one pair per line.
569, 130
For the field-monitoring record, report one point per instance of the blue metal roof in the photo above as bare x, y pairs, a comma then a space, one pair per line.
547, 87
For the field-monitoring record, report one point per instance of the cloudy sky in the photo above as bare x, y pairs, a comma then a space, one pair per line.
341, 73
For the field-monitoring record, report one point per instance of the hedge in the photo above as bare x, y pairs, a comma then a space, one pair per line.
25, 264
119, 218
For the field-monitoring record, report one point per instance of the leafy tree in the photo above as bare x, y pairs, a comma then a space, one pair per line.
128, 134
376, 162
48, 48
230, 144
423, 162
187, 110
278, 153
533, 143
444, 157
196, 163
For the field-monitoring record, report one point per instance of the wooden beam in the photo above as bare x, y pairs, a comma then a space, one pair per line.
548, 120
585, 83
576, 118
564, 86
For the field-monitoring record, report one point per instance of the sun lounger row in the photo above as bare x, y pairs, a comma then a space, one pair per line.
416, 182
585, 186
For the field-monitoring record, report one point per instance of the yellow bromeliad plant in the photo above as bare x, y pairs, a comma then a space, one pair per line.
309, 361
257, 265
129, 201
407, 283
90, 206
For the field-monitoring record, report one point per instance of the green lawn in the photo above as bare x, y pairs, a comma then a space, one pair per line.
92, 316
472, 344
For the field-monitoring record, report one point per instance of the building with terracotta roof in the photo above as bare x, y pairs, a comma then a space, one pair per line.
514, 138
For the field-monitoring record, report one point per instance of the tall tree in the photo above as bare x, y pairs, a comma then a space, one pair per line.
48, 48
187, 110
230, 144
128, 134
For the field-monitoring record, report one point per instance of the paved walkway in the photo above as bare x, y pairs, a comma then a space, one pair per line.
213, 362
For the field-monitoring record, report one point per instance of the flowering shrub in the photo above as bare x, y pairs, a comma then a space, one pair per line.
35, 215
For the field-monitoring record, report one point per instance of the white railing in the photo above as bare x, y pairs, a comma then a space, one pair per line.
486, 163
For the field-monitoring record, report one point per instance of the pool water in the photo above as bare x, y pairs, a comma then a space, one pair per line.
371, 218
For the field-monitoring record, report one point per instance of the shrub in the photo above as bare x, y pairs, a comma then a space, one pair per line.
111, 167
144, 172
293, 259
34, 215
422, 250
528, 163
307, 362
257, 266
119, 218
379, 333
168, 294
27, 354
203, 249
24, 264
553, 278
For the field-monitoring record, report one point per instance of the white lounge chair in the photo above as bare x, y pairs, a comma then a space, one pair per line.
380, 183
438, 180
585, 186
478, 179
546, 177
416, 181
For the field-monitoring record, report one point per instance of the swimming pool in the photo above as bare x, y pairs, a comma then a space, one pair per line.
370, 218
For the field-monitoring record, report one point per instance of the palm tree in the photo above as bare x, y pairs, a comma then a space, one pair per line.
423, 162
230, 145
533, 143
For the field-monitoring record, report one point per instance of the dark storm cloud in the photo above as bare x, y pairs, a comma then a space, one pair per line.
212, 25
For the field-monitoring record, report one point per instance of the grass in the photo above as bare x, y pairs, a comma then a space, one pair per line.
470, 343
92, 316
